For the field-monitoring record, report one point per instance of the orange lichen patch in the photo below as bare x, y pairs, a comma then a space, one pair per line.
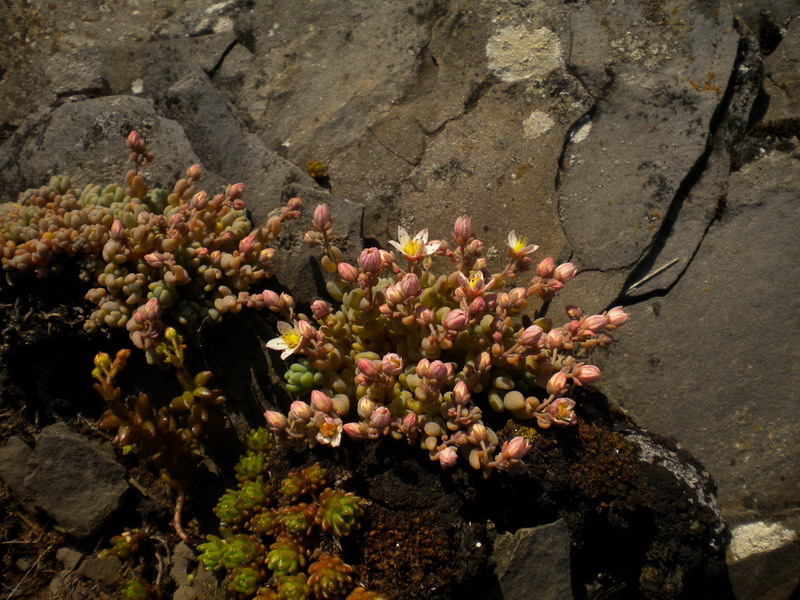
709, 85
402, 551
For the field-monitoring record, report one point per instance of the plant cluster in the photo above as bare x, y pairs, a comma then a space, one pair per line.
150, 253
420, 356
273, 538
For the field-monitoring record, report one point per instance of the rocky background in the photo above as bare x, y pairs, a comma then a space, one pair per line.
652, 142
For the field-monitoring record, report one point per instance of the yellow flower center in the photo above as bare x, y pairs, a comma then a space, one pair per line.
291, 337
475, 277
411, 248
519, 244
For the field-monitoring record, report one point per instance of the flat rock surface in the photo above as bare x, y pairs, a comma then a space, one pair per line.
716, 402
75, 481
534, 559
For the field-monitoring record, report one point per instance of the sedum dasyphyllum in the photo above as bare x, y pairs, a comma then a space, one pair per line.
153, 255
422, 341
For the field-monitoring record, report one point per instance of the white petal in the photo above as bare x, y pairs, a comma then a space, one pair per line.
512, 238
288, 352
402, 236
277, 344
283, 327
422, 236
396, 245
432, 247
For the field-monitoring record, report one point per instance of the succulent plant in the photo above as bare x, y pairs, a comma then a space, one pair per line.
153, 255
419, 352
272, 535
172, 433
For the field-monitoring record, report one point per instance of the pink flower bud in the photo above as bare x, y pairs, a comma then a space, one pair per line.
554, 285
477, 431
194, 172
367, 367
424, 316
545, 268
422, 367
392, 364
565, 272
455, 320
460, 393
617, 316
321, 402
117, 231
557, 384
530, 336
477, 306
366, 406
595, 323
135, 142
320, 309
275, 420
462, 231
347, 272
410, 421
381, 417
306, 330
409, 285
235, 191
585, 374
247, 244
357, 431
322, 217
300, 411
447, 457
271, 299
555, 339
484, 362
387, 259
294, 204
515, 449
370, 260
153, 260
393, 295
437, 371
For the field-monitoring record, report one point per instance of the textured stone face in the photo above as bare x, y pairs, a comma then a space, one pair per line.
76, 482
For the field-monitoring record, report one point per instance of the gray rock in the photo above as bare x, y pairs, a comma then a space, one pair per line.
764, 561
650, 126
183, 557
782, 77
76, 482
86, 140
533, 563
106, 570
269, 181
14, 457
703, 193
69, 557
204, 586
141, 68
713, 363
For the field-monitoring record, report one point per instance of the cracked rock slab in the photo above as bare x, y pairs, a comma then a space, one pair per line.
75, 481
651, 121
714, 363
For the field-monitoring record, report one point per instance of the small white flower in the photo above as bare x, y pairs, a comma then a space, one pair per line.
517, 245
329, 429
289, 339
416, 248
